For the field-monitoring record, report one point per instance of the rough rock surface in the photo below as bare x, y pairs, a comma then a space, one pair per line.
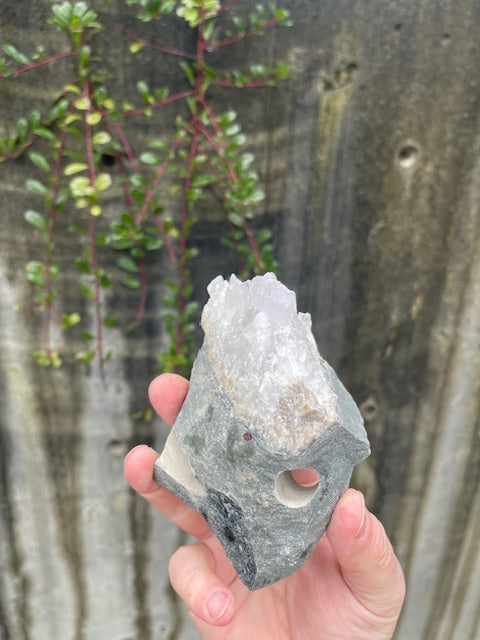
261, 403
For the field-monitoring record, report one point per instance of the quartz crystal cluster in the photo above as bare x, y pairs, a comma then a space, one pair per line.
262, 402
264, 354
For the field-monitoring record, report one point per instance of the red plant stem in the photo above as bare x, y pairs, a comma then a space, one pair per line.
21, 150
50, 310
131, 204
219, 194
216, 147
143, 292
158, 178
149, 197
211, 115
233, 175
252, 243
92, 226
160, 103
208, 159
126, 146
88, 142
40, 63
131, 207
247, 85
97, 292
126, 188
156, 47
244, 36
228, 5
121, 166
182, 264
238, 258
168, 245
196, 126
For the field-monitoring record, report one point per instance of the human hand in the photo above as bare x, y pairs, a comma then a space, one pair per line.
351, 588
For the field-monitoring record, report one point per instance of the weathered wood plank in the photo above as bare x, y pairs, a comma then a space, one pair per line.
370, 157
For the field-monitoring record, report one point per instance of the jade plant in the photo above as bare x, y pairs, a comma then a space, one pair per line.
203, 156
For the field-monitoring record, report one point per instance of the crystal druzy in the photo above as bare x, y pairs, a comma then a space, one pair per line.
265, 357
262, 402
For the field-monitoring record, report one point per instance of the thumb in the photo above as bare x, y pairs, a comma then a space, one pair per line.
367, 560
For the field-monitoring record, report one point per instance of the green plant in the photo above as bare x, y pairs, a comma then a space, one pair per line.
202, 157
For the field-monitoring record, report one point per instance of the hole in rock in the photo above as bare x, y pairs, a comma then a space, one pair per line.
297, 487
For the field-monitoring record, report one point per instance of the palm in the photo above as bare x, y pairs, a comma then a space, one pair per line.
283, 611
351, 587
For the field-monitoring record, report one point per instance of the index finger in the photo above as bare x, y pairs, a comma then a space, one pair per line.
138, 469
167, 393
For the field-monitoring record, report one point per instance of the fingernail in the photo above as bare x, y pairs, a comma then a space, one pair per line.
217, 604
128, 454
138, 446
361, 514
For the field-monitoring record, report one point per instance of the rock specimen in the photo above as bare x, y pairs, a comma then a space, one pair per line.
261, 403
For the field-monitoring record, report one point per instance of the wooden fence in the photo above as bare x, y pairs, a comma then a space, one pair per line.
370, 159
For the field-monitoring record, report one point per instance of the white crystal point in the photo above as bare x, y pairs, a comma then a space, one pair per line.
265, 357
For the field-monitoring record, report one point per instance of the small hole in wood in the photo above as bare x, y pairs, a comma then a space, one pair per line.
369, 409
117, 448
107, 159
408, 155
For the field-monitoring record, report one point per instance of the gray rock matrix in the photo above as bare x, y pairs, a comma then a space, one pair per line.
261, 403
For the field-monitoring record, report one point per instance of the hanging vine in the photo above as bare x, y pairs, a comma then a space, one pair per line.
204, 155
